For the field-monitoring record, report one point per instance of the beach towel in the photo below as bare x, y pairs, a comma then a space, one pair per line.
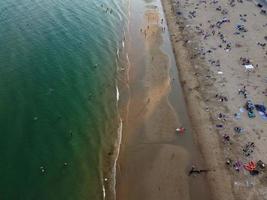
250, 166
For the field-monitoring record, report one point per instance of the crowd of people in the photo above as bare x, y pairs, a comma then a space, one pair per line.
224, 42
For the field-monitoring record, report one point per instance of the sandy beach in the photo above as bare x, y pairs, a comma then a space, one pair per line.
213, 43
154, 159
196, 81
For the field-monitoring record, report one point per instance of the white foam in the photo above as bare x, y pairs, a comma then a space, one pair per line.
118, 144
120, 128
118, 93
104, 191
118, 53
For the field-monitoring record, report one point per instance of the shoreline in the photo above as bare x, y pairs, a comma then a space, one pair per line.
109, 181
122, 86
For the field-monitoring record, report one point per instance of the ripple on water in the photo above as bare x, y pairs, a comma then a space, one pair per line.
58, 100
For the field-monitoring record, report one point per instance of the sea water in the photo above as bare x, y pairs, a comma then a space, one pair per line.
58, 96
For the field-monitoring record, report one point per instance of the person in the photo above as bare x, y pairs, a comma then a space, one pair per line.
194, 170
180, 130
226, 138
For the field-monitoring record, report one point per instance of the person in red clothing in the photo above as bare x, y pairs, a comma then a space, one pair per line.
180, 130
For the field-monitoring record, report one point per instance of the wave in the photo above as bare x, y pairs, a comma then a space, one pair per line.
122, 63
117, 156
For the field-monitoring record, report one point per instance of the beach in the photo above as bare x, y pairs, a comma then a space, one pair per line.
154, 159
218, 47
133, 99
210, 49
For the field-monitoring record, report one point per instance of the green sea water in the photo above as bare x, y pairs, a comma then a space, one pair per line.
58, 100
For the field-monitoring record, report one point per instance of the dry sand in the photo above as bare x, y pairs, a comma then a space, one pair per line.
192, 37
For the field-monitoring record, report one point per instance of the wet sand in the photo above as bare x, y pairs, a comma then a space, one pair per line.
154, 160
